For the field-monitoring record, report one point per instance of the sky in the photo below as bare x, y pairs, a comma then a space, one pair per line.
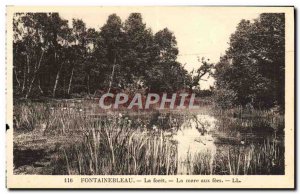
199, 31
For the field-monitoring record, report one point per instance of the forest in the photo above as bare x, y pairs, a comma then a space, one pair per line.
56, 58
61, 68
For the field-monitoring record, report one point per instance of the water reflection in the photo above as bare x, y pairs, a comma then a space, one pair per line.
195, 137
210, 145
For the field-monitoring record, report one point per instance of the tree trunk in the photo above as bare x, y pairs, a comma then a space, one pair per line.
42, 92
112, 76
88, 85
37, 67
58, 73
70, 82
56, 81
16, 76
25, 77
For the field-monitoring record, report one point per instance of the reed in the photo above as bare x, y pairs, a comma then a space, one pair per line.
119, 143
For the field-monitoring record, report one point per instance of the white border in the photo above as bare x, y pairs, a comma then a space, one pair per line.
3, 4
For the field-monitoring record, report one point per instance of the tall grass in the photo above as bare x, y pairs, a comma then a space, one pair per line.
118, 143
250, 118
28, 116
265, 158
119, 152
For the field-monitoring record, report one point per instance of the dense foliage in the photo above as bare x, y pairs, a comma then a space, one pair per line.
252, 71
54, 59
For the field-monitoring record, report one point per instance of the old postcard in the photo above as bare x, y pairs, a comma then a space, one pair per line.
150, 97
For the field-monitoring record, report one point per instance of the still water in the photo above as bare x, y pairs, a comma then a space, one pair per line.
212, 145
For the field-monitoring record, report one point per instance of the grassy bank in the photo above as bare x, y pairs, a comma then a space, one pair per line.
78, 141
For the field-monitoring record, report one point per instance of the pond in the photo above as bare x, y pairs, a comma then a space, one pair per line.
78, 140
205, 146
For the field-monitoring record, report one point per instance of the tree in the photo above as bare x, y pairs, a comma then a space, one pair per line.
205, 69
56, 60
30, 45
59, 35
253, 67
138, 44
165, 74
167, 45
113, 36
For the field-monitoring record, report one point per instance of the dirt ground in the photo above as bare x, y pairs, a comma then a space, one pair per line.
34, 152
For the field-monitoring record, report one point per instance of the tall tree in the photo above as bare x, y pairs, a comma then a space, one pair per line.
253, 67
113, 36
165, 74
54, 59
167, 45
30, 45
139, 49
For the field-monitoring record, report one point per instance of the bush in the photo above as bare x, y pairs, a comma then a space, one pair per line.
225, 98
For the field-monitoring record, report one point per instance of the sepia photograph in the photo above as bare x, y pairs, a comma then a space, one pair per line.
180, 96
